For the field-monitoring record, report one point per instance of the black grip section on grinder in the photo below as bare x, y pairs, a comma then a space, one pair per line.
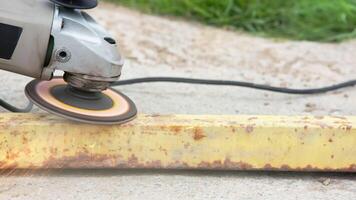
9, 37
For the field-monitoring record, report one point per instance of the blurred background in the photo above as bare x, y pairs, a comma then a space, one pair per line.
314, 20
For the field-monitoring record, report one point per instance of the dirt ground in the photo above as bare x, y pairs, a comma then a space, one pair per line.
156, 46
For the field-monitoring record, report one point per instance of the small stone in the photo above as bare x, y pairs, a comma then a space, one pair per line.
310, 107
325, 181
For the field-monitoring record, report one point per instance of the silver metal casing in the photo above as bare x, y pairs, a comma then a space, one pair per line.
35, 18
83, 48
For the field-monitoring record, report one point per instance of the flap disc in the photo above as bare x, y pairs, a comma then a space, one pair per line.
57, 97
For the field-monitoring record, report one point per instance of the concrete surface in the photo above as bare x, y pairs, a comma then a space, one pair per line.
155, 46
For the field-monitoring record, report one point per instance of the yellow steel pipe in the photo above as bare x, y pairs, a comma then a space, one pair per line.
296, 143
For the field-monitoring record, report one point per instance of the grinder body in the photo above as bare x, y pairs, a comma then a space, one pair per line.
38, 37
25, 29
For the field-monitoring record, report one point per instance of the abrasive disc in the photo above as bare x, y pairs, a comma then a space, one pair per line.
57, 97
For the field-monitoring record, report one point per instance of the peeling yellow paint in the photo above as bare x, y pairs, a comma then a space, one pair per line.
181, 141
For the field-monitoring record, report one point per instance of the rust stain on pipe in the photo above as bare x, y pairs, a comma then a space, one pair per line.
273, 143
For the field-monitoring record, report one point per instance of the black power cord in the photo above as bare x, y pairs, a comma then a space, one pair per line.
350, 83
14, 109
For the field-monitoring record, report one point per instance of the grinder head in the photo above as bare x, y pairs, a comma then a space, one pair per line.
60, 98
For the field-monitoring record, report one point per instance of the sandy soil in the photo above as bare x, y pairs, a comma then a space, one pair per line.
161, 46
151, 41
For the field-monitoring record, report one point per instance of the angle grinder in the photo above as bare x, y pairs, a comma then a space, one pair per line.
39, 37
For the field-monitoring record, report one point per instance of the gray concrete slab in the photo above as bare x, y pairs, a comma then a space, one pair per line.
156, 46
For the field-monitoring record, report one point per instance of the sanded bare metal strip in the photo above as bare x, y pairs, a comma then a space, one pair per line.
296, 143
